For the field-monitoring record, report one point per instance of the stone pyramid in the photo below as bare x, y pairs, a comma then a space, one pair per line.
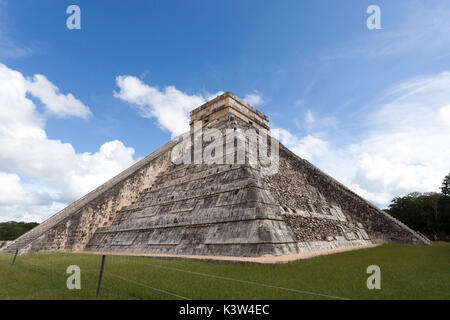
162, 205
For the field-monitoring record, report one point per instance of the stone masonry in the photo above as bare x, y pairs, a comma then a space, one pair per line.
159, 207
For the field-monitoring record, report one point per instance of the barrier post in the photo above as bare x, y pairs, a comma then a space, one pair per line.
100, 277
15, 256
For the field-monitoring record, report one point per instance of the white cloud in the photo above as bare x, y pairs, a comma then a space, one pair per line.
28, 212
11, 191
169, 106
444, 115
255, 99
408, 148
420, 24
405, 146
22, 202
58, 104
54, 173
308, 147
310, 117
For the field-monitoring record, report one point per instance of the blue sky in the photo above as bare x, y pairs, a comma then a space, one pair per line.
369, 107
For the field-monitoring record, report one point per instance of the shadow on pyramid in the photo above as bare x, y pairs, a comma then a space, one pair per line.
206, 194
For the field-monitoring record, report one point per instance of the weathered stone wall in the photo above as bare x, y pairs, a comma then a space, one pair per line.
4, 244
313, 229
72, 228
301, 187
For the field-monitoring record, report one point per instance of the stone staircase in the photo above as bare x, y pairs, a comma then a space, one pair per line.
200, 209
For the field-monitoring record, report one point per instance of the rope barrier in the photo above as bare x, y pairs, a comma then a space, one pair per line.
39, 268
146, 286
245, 281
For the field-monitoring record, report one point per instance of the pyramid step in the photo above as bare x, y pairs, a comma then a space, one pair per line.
236, 189
218, 175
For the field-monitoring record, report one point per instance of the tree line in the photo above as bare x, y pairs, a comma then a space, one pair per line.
428, 213
12, 230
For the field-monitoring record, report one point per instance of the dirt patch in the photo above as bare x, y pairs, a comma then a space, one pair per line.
264, 259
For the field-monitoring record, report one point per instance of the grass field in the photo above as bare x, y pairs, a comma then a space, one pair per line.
407, 272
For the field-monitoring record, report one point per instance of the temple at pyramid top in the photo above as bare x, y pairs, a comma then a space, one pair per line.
230, 103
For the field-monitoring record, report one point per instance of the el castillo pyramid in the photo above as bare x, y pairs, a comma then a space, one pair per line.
167, 207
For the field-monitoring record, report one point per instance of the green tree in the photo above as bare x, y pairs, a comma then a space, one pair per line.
12, 230
428, 213
446, 186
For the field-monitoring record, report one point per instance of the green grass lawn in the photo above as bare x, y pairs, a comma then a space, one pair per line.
407, 272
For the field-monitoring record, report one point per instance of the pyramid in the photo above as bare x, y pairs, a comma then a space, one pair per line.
188, 198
